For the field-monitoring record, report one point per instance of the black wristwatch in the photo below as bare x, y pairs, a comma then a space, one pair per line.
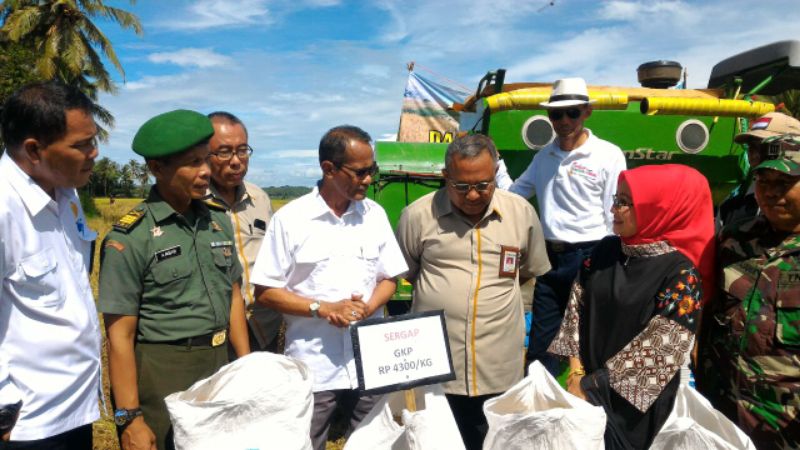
122, 417
8, 416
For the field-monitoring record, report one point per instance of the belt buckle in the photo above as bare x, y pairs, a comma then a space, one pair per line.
219, 338
558, 246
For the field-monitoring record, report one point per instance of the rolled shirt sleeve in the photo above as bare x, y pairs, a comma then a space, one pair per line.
274, 261
410, 241
8, 392
535, 262
525, 185
391, 260
121, 275
610, 188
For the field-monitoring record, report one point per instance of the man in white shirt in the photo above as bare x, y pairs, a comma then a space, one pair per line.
49, 335
574, 179
330, 258
250, 209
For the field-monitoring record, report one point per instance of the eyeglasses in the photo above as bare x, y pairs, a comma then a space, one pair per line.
620, 203
558, 114
463, 188
363, 172
226, 153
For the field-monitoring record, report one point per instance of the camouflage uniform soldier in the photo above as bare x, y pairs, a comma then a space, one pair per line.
755, 343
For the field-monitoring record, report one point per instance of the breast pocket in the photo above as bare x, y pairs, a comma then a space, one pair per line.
222, 252
171, 270
787, 318
312, 264
36, 280
371, 263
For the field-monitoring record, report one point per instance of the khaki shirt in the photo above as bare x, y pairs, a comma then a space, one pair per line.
250, 215
473, 273
175, 274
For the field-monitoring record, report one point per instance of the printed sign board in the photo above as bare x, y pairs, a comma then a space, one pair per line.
401, 352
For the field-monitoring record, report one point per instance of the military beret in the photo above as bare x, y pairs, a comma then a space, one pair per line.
170, 133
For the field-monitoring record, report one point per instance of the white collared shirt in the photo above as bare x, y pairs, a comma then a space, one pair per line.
49, 333
313, 253
574, 189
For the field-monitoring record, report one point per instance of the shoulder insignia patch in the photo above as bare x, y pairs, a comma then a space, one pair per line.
214, 205
118, 246
126, 222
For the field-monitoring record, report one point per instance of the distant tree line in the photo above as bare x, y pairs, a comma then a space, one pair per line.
286, 192
120, 180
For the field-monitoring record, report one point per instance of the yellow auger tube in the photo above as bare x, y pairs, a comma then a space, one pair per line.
704, 107
532, 98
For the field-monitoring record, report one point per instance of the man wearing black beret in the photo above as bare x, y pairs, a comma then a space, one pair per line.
169, 283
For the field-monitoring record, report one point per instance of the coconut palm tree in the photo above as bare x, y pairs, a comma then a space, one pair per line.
67, 44
790, 100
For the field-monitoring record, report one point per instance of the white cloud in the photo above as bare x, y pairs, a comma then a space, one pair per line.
289, 98
294, 153
202, 14
191, 57
374, 71
322, 3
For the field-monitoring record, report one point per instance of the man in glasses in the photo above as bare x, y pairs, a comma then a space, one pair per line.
574, 179
250, 209
741, 203
330, 258
469, 247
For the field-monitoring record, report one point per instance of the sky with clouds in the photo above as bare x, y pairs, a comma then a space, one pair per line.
291, 69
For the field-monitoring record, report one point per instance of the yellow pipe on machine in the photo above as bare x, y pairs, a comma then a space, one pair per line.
704, 107
531, 98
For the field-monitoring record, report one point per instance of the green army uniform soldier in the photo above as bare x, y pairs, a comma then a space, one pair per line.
169, 283
752, 365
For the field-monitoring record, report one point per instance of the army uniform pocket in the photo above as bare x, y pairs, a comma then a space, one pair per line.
170, 266
223, 253
787, 319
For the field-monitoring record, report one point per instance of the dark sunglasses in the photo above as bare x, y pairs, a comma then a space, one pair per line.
558, 114
619, 203
362, 173
463, 188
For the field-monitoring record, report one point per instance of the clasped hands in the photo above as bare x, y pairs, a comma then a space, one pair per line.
341, 314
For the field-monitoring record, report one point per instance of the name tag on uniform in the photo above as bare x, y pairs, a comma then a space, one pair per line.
226, 246
167, 253
509, 261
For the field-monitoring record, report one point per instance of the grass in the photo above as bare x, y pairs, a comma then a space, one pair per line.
105, 433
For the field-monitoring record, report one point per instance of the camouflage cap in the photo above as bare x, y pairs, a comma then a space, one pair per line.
171, 132
768, 125
788, 152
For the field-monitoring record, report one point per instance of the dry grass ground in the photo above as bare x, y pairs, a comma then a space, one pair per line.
105, 434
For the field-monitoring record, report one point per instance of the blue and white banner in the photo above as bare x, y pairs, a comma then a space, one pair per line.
427, 114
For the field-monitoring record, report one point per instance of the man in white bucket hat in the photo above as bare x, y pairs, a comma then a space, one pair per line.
574, 179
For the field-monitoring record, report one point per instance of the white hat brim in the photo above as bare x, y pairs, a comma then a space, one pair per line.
565, 103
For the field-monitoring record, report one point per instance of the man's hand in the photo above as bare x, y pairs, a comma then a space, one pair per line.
574, 386
7, 422
7, 435
138, 436
341, 314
